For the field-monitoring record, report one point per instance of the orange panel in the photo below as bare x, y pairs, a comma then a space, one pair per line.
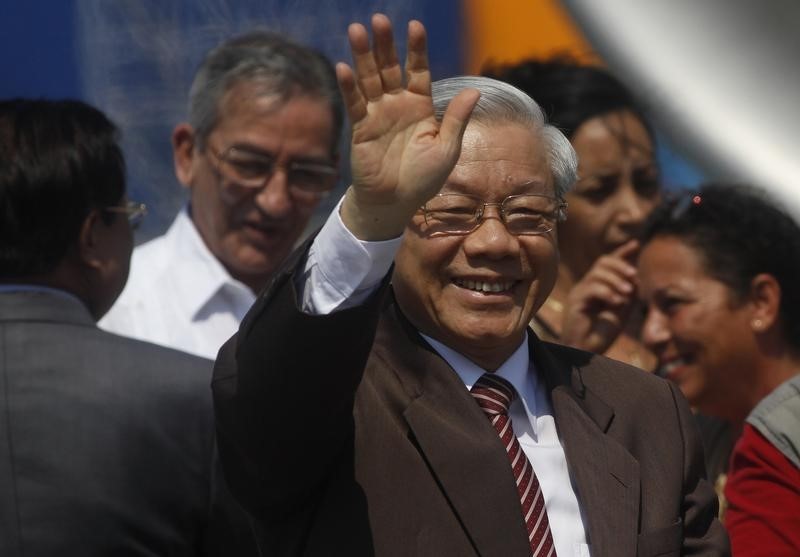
510, 30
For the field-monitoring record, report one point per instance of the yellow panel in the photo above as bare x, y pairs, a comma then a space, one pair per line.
510, 30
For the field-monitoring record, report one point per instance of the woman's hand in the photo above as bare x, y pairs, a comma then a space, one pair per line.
597, 307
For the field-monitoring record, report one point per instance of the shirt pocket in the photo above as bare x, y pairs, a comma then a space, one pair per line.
664, 542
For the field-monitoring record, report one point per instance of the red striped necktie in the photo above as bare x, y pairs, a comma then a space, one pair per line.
494, 395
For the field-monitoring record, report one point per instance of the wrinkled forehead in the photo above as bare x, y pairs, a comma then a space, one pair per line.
501, 159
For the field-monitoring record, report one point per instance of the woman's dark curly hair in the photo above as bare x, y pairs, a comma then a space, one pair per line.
739, 232
570, 93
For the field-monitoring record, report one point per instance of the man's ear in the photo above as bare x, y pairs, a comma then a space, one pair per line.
765, 300
183, 151
91, 247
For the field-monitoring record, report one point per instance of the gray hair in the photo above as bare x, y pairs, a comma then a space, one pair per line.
279, 67
501, 103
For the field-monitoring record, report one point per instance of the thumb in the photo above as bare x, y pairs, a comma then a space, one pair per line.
456, 118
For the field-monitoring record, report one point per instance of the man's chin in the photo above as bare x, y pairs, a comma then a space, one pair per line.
487, 335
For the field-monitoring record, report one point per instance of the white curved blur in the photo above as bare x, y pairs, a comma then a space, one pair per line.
723, 77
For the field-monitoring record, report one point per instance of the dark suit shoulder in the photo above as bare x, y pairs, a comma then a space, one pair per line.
157, 358
171, 387
118, 436
143, 349
628, 389
600, 367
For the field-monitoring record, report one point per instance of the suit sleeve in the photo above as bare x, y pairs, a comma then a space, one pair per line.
703, 533
284, 388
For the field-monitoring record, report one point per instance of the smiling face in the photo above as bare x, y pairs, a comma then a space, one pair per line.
477, 292
697, 328
617, 189
252, 231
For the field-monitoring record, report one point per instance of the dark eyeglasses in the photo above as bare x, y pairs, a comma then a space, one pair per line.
133, 210
523, 215
253, 170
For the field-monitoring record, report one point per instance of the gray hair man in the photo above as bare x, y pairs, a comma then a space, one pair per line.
258, 153
352, 405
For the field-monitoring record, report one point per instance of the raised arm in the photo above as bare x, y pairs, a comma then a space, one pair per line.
400, 155
287, 372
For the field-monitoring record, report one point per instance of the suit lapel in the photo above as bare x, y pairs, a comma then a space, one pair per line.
606, 476
459, 444
467, 458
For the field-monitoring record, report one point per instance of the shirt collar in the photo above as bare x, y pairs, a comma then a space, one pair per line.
38, 288
517, 370
201, 276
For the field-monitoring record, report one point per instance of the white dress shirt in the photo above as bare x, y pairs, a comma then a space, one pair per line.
179, 295
341, 271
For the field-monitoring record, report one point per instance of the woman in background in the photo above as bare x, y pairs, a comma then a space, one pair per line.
618, 187
719, 273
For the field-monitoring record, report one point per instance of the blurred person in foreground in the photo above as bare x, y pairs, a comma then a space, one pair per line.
258, 153
367, 402
618, 185
106, 443
719, 273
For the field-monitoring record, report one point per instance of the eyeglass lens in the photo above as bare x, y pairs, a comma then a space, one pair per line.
522, 214
254, 170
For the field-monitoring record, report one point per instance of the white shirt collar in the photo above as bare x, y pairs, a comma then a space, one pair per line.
199, 272
517, 369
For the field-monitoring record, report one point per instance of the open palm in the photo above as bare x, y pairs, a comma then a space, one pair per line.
400, 155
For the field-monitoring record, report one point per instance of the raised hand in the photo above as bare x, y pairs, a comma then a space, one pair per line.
400, 155
597, 307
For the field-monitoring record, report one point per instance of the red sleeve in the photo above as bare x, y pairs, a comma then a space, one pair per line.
763, 493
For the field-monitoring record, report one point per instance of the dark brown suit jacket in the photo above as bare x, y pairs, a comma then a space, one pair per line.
347, 434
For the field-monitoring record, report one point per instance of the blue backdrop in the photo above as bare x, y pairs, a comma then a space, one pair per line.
134, 59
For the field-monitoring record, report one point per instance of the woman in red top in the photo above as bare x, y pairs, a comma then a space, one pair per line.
719, 273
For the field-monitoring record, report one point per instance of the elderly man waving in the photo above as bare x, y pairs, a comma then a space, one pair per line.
365, 409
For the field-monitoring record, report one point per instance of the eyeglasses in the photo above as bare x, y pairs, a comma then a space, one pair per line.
133, 210
523, 215
253, 170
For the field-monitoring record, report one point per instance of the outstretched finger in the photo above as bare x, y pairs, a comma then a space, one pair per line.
367, 76
602, 295
353, 100
385, 54
614, 267
612, 278
418, 73
627, 251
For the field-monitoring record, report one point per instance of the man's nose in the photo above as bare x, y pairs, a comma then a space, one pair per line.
633, 208
655, 330
274, 198
491, 238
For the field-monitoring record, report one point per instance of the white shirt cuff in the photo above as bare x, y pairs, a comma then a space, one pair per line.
341, 271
